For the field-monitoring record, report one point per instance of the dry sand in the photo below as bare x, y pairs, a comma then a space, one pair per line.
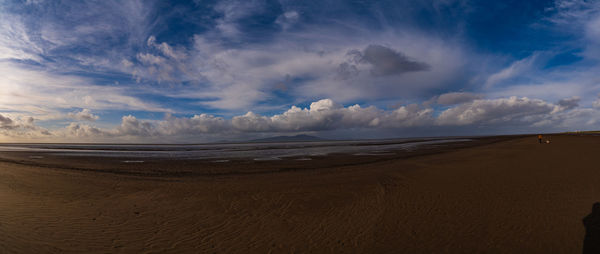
515, 196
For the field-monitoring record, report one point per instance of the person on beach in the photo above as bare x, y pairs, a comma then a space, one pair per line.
591, 242
540, 138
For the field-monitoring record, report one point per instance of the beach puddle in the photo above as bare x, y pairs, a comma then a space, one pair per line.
268, 159
304, 159
374, 154
133, 161
36, 157
220, 161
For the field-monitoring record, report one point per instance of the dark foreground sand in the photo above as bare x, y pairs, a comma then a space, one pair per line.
514, 196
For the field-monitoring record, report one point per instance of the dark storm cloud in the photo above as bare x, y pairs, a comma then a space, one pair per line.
386, 61
457, 98
569, 103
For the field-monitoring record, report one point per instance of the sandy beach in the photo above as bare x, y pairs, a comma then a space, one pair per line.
512, 196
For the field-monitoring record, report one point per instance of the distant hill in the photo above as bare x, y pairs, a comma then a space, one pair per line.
297, 138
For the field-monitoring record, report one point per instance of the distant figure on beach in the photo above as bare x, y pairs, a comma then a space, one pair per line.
540, 138
591, 242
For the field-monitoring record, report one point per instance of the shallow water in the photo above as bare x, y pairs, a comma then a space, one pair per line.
256, 151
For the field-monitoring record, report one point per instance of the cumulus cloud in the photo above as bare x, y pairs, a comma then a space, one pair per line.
9, 123
409, 116
320, 115
83, 131
5, 122
196, 124
20, 129
503, 110
326, 115
252, 122
130, 125
84, 114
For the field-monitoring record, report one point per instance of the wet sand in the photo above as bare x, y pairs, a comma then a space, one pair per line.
513, 196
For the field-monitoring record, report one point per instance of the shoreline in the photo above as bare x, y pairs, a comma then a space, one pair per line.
162, 167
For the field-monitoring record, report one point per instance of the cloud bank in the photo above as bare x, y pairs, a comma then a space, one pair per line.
324, 115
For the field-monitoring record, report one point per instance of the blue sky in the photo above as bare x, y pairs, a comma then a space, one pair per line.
201, 71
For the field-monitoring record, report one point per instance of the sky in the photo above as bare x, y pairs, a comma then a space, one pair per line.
204, 71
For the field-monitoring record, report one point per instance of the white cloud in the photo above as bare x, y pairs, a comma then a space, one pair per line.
582, 19
409, 116
130, 125
166, 49
84, 114
553, 86
150, 59
496, 111
38, 92
592, 34
252, 122
20, 129
15, 42
63, 27
238, 78
197, 124
325, 115
76, 130
567, 11
321, 115
232, 11
288, 19
516, 68
34, 1
229, 77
